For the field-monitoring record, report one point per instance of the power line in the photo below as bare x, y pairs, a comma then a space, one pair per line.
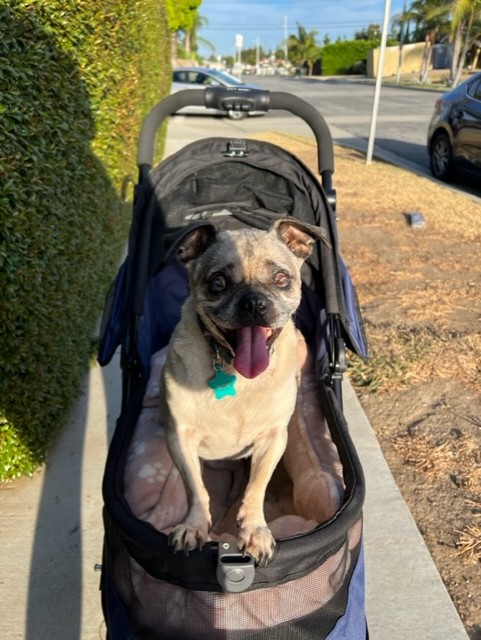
271, 26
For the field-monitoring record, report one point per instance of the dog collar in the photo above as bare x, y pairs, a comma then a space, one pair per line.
222, 383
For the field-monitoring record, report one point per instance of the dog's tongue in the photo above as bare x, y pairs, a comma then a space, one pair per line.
252, 357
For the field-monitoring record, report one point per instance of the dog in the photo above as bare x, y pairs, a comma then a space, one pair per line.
229, 385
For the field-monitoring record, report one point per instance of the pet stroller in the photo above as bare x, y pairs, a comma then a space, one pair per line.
313, 589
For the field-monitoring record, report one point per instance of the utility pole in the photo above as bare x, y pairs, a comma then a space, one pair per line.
239, 43
285, 38
377, 91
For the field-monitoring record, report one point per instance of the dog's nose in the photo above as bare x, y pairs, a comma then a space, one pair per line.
254, 304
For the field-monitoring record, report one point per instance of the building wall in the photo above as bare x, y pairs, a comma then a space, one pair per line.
412, 57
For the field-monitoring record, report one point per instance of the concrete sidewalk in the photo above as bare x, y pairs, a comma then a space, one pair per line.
51, 534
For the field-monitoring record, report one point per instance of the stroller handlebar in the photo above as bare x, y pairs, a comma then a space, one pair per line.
236, 99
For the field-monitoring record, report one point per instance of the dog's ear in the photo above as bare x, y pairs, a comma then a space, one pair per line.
195, 241
299, 236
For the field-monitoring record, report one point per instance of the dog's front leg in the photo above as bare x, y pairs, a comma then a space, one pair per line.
193, 532
255, 536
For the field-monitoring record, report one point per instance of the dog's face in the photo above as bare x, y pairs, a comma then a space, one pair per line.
246, 285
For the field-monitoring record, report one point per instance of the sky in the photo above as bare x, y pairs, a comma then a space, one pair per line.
267, 21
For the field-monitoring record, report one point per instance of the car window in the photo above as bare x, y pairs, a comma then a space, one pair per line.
179, 76
187, 77
201, 78
209, 81
474, 89
226, 77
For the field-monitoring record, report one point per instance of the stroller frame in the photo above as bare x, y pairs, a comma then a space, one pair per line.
124, 321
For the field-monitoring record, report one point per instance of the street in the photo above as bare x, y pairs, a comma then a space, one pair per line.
346, 104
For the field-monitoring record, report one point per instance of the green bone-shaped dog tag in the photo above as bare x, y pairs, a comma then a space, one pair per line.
223, 384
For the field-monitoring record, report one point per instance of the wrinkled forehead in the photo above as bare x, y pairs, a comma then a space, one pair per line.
246, 252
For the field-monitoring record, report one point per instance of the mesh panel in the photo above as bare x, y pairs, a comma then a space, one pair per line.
159, 609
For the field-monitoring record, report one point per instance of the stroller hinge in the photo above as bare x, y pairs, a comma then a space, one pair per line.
326, 180
332, 199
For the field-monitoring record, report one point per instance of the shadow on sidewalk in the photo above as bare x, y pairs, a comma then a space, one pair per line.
63, 599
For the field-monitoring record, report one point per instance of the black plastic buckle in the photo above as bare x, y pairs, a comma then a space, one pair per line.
236, 149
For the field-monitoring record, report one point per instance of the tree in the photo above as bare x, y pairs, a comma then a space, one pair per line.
465, 14
402, 22
437, 20
429, 16
431, 19
192, 39
250, 56
303, 49
181, 16
373, 32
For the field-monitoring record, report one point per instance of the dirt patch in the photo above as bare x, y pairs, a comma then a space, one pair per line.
419, 290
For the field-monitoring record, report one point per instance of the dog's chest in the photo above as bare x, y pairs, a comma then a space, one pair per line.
229, 427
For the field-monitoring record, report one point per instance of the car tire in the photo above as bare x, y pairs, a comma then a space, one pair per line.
237, 115
441, 157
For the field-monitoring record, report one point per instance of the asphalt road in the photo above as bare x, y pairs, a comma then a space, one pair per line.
346, 104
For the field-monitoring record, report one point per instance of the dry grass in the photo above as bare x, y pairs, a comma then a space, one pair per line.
429, 460
402, 356
468, 544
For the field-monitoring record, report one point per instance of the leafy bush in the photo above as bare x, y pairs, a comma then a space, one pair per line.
339, 58
75, 82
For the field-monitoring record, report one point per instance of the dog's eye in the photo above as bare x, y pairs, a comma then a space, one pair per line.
282, 280
217, 283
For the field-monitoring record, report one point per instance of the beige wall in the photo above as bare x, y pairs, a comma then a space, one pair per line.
411, 60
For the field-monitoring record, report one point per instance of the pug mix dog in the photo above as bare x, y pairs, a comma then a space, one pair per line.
229, 385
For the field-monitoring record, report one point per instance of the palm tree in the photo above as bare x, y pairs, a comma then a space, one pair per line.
403, 21
431, 19
303, 49
192, 38
465, 13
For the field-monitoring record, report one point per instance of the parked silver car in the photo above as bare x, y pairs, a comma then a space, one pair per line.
202, 77
454, 134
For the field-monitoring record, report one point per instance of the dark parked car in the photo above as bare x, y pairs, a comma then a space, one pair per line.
202, 77
454, 134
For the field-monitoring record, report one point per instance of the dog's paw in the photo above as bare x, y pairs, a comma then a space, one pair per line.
186, 537
258, 541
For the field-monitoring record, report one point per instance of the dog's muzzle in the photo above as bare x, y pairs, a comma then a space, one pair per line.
248, 348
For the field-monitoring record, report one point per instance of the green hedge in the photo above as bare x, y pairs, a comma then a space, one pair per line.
76, 79
339, 58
